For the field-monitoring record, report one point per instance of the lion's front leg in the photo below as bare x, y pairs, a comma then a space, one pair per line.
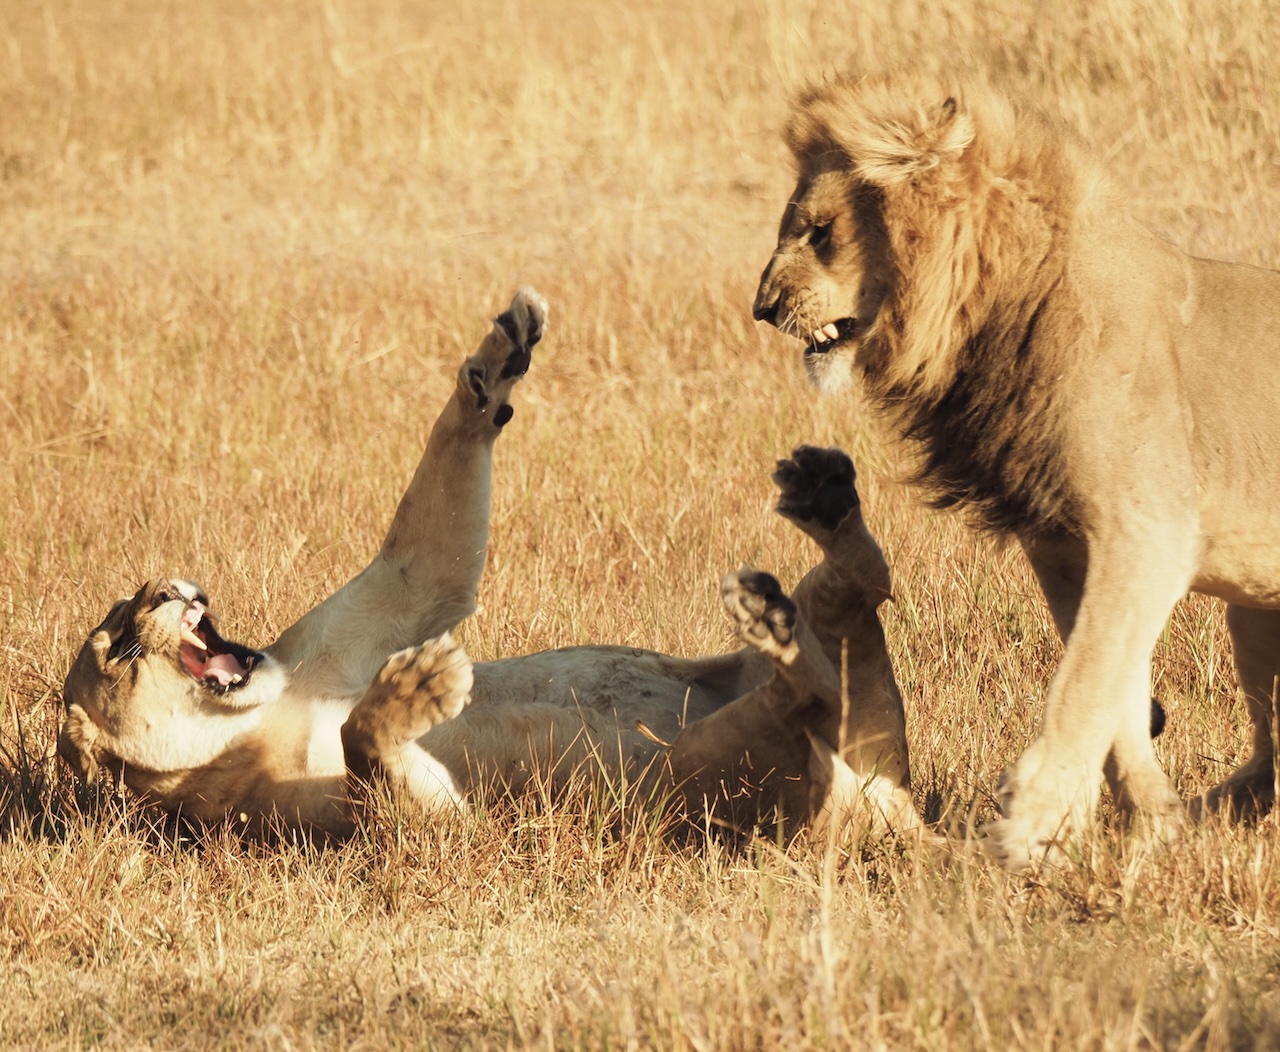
423, 581
1098, 704
415, 690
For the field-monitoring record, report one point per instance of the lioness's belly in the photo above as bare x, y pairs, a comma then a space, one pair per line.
559, 714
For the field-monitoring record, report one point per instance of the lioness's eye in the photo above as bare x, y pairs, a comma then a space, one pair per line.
819, 234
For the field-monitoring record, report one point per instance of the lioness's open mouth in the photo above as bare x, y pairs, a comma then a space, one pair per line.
831, 335
218, 664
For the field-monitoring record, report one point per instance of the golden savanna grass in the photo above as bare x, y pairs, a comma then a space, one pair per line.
243, 246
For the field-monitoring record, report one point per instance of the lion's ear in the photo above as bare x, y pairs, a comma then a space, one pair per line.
895, 147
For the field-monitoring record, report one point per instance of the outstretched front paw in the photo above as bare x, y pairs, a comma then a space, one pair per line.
764, 614
505, 354
816, 486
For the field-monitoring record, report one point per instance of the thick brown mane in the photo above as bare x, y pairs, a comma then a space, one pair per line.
977, 200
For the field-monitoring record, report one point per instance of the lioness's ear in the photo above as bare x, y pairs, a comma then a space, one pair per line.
78, 744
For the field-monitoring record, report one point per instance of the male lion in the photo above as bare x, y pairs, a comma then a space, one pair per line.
1068, 378
370, 684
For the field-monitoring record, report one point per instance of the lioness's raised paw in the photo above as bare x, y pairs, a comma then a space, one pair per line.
816, 486
416, 689
764, 614
504, 356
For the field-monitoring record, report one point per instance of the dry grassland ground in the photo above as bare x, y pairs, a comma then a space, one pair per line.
243, 245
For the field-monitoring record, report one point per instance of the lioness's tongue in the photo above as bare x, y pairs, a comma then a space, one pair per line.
222, 669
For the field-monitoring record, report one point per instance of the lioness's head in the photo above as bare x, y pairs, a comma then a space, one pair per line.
157, 689
877, 235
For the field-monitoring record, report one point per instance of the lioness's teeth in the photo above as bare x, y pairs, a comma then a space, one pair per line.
817, 336
190, 637
831, 331
236, 678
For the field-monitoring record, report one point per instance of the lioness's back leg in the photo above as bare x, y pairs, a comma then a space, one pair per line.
839, 599
415, 690
1255, 644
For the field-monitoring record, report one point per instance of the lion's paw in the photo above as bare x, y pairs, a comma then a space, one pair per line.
816, 486
1246, 796
418, 688
764, 615
504, 357
1042, 806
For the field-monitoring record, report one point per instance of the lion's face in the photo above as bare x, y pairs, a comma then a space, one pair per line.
156, 688
830, 272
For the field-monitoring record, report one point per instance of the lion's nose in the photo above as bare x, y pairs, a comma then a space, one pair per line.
765, 307
766, 310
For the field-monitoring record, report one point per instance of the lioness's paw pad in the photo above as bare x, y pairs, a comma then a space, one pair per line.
424, 685
505, 355
816, 486
523, 323
764, 614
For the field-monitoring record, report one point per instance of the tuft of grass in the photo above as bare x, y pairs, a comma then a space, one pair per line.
245, 245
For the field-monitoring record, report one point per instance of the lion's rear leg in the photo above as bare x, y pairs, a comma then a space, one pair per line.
415, 690
1255, 642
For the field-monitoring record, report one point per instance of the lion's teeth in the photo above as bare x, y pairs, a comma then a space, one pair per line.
816, 336
236, 678
831, 331
190, 637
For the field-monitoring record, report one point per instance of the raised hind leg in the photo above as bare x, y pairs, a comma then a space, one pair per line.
414, 691
863, 742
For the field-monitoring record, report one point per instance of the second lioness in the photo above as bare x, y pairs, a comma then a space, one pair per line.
370, 684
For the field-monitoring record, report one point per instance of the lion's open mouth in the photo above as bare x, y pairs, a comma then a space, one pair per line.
218, 664
831, 335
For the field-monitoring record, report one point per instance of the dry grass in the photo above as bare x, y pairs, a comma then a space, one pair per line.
242, 245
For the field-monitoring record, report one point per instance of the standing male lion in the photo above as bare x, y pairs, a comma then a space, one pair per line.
1068, 378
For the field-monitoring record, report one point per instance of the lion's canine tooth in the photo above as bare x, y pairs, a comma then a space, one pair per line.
236, 678
817, 336
831, 331
190, 637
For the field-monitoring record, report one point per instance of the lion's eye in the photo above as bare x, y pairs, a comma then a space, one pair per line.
820, 234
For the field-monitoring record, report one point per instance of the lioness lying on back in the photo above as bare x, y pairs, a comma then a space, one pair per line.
370, 684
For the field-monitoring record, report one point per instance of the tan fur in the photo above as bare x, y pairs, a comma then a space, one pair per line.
370, 685
1067, 378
